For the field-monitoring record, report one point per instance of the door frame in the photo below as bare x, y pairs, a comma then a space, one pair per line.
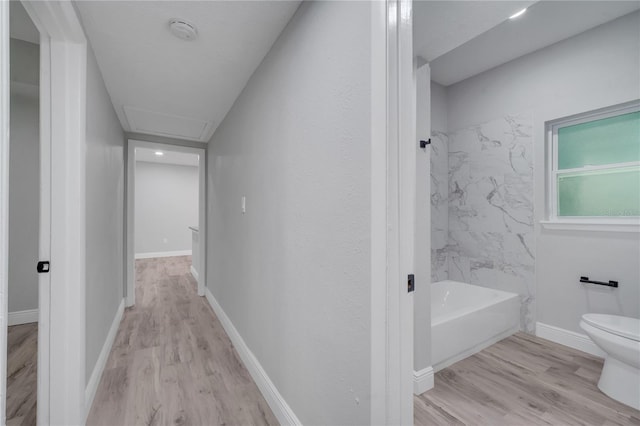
130, 252
393, 167
61, 331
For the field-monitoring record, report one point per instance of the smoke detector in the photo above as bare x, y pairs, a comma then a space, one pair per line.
183, 29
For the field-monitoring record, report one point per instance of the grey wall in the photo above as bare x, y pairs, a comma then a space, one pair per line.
105, 213
24, 177
293, 272
592, 70
439, 171
25, 62
166, 205
422, 270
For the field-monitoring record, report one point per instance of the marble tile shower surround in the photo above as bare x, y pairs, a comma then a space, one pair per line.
439, 205
489, 224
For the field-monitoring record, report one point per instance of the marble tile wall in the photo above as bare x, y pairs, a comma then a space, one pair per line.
439, 205
489, 223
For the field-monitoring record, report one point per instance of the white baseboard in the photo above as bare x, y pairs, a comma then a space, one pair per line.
163, 254
23, 317
94, 380
574, 340
422, 380
194, 272
279, 406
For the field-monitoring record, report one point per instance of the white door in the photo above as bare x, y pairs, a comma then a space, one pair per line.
44, 250
4, 199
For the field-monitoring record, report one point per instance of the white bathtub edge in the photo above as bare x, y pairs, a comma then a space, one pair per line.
422, 380
574, 340
474, 350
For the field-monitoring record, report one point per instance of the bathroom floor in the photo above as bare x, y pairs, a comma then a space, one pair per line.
22, 362
522, 380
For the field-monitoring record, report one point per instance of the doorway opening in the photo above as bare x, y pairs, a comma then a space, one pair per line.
165, 210
24, 218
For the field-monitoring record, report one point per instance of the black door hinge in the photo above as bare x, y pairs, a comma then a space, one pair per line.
411, 283
43, 267
423, 144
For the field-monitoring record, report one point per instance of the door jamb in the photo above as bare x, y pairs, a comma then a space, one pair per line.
132, 144
4, 200
393, 157
62, 135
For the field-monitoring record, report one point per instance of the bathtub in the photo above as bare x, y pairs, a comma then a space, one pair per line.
467, 318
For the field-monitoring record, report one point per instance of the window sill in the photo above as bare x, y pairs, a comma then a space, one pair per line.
591, 226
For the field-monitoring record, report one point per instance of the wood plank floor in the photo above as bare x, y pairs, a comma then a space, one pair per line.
22, 377
522, 380
172, 362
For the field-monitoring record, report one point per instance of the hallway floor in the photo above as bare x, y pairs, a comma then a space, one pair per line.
22, 377
522, 380
172, 362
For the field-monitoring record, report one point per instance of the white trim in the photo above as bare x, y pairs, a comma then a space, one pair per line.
4, 200
151, 255
62, 316
392, 208
279, 406
590, 226
23, 317
194, 272
406, 181
96, 374
130, 255
474, 349
44, 243
574, 340
613, 223
423, 380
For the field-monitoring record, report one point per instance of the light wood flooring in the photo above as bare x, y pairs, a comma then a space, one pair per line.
522, 380
172, 362
22, 378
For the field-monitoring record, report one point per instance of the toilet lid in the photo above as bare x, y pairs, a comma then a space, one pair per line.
622, 326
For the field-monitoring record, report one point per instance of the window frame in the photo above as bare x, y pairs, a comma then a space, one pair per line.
587, 223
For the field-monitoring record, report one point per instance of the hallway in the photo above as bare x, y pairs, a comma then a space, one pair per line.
172, 362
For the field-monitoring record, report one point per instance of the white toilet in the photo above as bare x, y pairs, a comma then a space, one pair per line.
619, 338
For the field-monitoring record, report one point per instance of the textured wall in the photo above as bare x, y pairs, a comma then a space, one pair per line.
293, 272
24, 202
166, 205
105, 213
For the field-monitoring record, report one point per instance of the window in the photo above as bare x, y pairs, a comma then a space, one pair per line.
594, 168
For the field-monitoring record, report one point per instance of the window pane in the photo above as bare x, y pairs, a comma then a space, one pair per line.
609, 140
612, 192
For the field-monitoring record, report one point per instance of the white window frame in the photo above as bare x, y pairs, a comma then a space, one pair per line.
583, 223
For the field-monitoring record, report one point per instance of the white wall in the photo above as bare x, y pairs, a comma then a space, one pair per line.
293, 272
422, 296
595, 69
439, 121
439, 179
105, 213
24, 178
166, 205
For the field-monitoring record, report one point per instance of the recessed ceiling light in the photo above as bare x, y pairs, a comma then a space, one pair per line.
159, 153
183, 29
520, 13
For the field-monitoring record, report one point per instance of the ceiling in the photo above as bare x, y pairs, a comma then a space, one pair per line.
20, 24
169, 157
165, 86
441, 26
544, 23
